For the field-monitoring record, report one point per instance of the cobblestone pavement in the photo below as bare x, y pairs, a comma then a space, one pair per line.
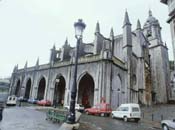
25, 118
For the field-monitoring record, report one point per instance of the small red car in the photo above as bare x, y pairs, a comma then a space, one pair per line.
44, 103
102, 109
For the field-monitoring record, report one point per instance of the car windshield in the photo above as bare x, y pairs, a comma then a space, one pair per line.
135, 109
81, 105
95, 107
124, 108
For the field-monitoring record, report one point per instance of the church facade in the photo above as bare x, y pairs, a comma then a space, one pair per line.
132, 67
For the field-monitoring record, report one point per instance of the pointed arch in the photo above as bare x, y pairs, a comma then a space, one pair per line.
17, 87
59, 90
28, 88
41, 88
116, 92
86, 87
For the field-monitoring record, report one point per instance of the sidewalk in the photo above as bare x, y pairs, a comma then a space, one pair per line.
153, 124
155, 114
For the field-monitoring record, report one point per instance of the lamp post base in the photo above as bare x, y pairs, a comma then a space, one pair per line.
71, 126
66, 126
71, 118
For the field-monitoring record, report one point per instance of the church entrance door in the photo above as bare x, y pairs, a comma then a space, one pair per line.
41, 89
59, 90
86, 91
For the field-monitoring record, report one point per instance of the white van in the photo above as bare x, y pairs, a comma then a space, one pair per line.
78, 107
11, 100
128, 111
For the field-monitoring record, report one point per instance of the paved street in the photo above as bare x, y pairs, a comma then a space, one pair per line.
107, 123
25, 118
151, 117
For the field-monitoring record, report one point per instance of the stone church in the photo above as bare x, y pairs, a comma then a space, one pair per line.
132, 67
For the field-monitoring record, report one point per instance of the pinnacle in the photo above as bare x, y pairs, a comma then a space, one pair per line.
25, 65
150, 13
37, 62
54, 46
66, 42
97, 30
138, 24
126, 19
112, 33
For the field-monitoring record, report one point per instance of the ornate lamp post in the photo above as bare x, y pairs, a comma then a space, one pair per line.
79, 27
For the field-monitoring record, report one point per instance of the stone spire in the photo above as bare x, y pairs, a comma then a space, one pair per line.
97, 29
37, 62
66, 42
138, 25
150, 13
126, 19
112, 33
127, 39
17, 67
25, 67
14, 69
165, 44
54, 47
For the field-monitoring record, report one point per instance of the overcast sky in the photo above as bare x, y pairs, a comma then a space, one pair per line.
29, 28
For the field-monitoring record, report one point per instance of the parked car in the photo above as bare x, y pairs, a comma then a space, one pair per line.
32, 100
22, 99
11, 100
44, 103
78, 107
102, 109
127, 111
168, 124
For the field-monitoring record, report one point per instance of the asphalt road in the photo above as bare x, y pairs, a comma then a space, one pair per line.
28, 118
107, 123
151, 117
25, 118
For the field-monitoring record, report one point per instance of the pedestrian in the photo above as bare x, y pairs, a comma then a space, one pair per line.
54, 103
20, 103
1, 115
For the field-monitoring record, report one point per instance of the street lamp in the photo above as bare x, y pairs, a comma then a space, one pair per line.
79, 27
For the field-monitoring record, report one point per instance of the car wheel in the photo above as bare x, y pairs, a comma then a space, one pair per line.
165, 127
125, 119
87, 112
137, 120
102, 114
112, 116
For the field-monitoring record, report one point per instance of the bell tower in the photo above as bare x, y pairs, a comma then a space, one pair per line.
158, 59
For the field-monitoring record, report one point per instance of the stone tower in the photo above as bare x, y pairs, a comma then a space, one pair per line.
158, 58
171, 21
127, 49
